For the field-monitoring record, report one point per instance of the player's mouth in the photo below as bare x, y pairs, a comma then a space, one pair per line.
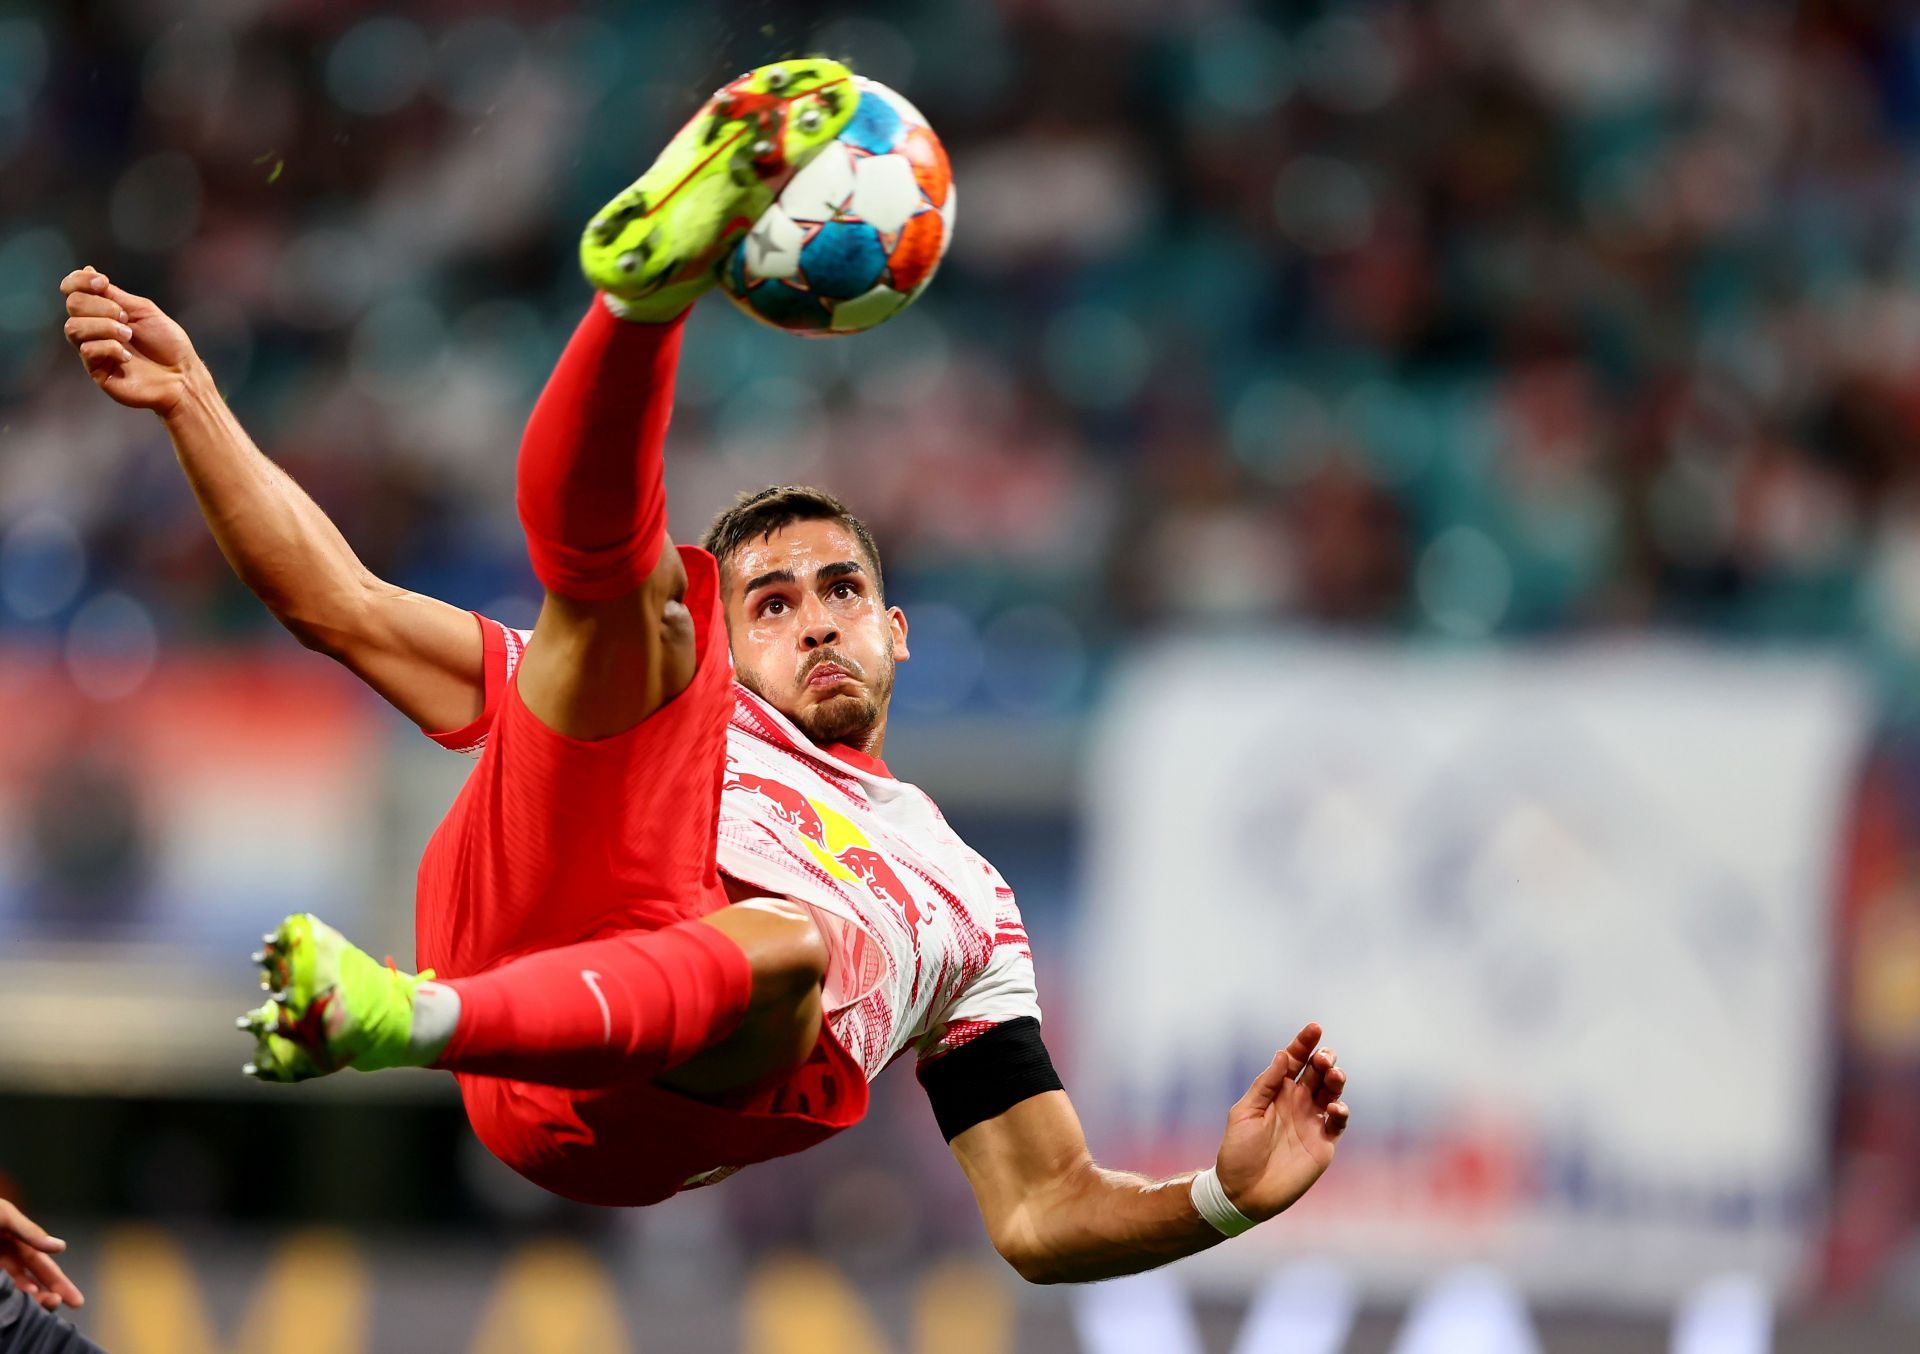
825, 675
828, 670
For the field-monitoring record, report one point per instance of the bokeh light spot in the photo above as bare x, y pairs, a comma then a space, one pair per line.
155, 206
23, 63
1464, 582
1241, 65
1096, 356
111, 647
1323, 205
42, 565
31, 266
378, 66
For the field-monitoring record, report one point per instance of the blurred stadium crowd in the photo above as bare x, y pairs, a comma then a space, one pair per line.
1478, 319
1469, 319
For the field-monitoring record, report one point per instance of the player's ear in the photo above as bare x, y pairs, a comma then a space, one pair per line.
897, 619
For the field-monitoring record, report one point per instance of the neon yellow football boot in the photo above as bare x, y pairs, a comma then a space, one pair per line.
333, 1006
657, 246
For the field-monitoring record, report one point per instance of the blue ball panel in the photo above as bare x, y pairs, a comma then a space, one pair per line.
875, 126
735, 277
843, 259
788, 307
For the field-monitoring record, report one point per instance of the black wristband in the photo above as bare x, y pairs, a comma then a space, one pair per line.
987, 1076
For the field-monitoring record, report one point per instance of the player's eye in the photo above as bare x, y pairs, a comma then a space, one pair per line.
772, 606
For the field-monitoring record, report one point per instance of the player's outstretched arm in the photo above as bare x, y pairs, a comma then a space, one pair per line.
424, 656
1058, 1217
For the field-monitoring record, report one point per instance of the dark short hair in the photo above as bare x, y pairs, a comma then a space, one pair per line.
756, 516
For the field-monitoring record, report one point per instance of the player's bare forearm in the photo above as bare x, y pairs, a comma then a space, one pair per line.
423, 656
1124, 1224
277, 539
1058, 1217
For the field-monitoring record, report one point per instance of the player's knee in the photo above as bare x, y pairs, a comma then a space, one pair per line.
784, 949
789, 969
598, 668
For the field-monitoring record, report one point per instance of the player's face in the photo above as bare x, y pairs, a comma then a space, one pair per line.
811, 636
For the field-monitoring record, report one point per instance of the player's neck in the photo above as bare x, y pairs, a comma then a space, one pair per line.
867, 751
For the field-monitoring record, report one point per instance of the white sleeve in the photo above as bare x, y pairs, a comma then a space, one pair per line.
1003, 991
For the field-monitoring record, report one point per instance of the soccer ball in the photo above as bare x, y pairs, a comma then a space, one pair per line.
855, 236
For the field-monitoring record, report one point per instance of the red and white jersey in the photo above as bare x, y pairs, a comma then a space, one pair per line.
928, 950
929, 945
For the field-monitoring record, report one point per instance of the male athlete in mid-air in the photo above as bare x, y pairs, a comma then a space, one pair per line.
681, 914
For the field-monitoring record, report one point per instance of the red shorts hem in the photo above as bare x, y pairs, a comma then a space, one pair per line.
631, 1145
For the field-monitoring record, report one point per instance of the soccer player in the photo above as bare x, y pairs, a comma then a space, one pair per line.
681, 913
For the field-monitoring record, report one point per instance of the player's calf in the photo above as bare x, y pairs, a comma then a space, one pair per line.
728, 1002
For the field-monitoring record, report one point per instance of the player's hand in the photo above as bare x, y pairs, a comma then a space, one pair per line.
131, 349
26, 1252
1282, 1132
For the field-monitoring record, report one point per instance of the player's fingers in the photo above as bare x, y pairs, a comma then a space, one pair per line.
102, 354
1302, 1047
1286, 1066
87, 303
94, 282
15, 1224
1337, 1117
82, 279
87, 329
52, 1279
1318, 1065
1267, 1085
1331, 1085
138, 305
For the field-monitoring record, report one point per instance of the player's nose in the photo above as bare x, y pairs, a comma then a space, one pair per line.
818, 625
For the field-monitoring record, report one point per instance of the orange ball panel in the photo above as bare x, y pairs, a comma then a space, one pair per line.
929, 159
918, 252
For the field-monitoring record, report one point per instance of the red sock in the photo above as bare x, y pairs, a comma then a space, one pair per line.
625, 1007
591, 495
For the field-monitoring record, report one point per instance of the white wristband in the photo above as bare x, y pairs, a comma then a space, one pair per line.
1214, 1205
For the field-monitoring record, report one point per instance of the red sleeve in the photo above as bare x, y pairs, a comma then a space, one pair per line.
503, 648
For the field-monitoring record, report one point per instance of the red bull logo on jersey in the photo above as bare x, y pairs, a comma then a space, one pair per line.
879, 875
835, 841
786, 803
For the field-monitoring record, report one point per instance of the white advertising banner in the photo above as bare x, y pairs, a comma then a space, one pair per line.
1565, 916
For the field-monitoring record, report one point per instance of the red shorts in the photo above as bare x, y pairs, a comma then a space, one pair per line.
553, 841
640, 1143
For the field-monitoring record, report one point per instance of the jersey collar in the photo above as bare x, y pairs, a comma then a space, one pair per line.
857, 759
